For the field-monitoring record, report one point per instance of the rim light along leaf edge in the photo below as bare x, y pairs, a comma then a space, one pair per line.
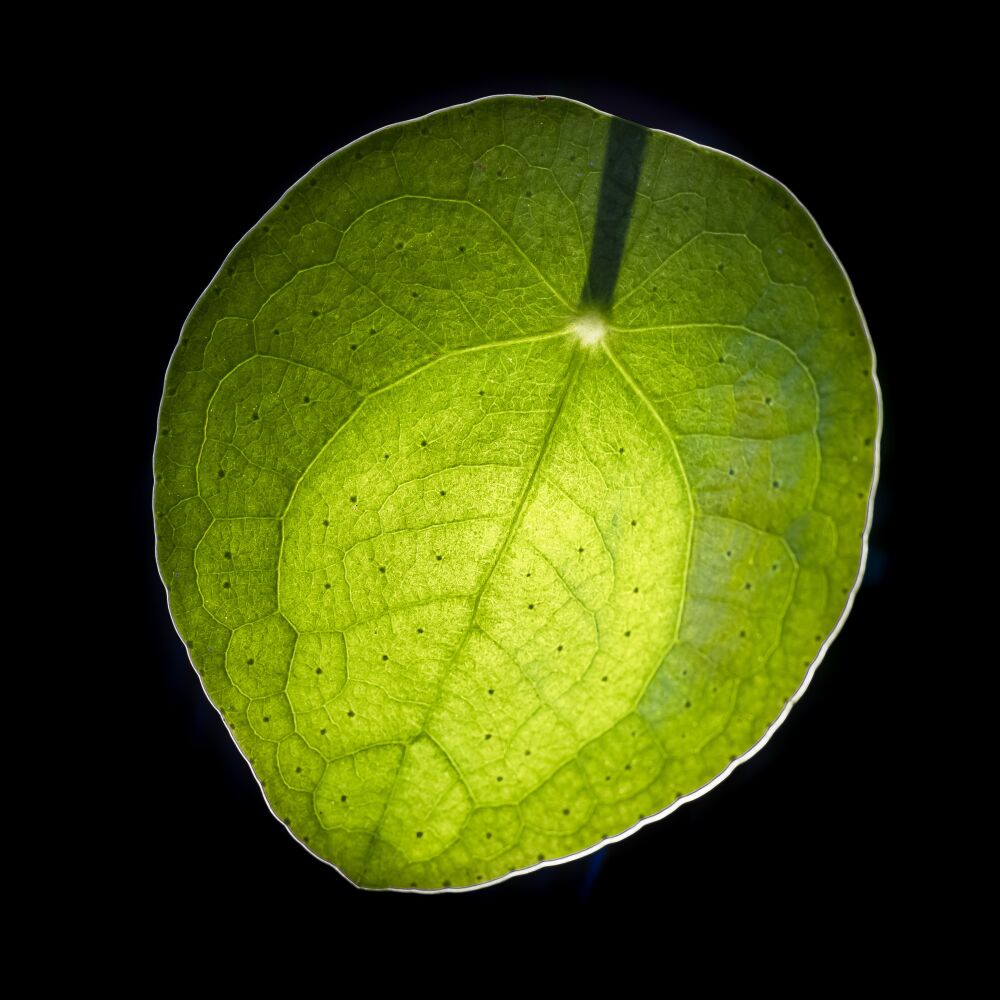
512, 477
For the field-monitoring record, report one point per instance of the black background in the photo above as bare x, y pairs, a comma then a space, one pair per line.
809, 837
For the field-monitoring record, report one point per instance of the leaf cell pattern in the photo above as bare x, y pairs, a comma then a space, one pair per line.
472, 593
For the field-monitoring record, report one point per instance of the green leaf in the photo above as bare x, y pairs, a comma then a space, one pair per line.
512, 476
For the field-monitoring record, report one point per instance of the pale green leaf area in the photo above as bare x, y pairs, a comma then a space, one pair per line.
484, 561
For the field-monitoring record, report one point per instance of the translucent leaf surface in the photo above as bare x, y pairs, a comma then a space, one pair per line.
511, 477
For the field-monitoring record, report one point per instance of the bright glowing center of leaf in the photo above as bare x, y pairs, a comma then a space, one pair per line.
590, 329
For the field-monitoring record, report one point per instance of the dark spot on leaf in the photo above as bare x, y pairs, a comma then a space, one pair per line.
319, 670
420, 833
326, 524
489, 836
423, 444
490, 691
743, 633
226, 585
776, 484
628, 632
354, 347
488, 736
267, 718
222, 474
559, 648
250, 662
605, 677
343, 798
385, 656
442, 493
746, 586
315, 312
420, 631
565, 812
350, 713
531, 607
298, 770
461, 249
381, 569
439, 558
227, 555
527, 753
